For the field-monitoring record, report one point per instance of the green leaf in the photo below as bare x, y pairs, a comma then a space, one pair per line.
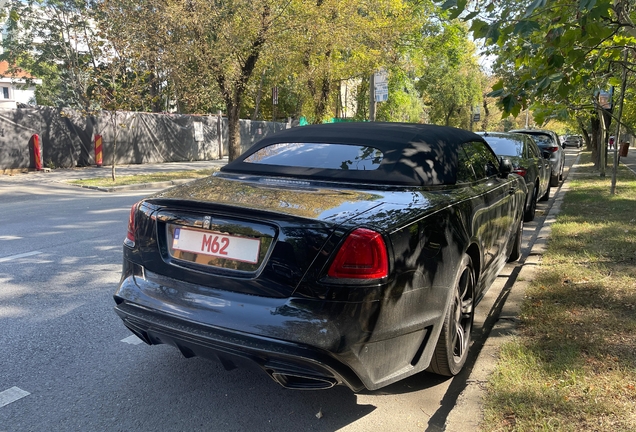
556, 61
470, 16
526, 27
454, 13
509, 103
14, 16
535, 4
449, 4
516, 109
563, 90
614, 81
493, 33
498, 85
539, 116
586, 4
600, 11
543, 83
479, 29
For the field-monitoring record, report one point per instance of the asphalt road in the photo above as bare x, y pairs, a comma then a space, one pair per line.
68, 364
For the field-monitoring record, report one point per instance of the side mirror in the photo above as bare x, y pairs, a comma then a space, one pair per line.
505, 167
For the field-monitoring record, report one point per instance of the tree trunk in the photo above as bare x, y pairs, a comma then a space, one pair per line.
113, 119
259, 94
321, 106
595, 141
448, 114
234, 130
587, 135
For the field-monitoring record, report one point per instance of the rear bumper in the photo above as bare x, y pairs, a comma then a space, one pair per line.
301, 343
291, 365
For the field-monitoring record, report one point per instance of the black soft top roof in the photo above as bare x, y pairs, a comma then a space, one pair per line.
414, 154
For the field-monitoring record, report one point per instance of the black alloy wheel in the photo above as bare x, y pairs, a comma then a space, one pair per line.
515, 252
554, 180
546, 195
451, 350
531, 206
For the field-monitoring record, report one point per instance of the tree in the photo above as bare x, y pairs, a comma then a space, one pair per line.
221, 42
55, 41
330, 42
557, 54
450, 80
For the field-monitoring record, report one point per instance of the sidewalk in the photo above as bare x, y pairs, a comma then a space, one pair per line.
62, 175
468, 411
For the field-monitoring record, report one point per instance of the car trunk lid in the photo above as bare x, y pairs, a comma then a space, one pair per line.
245, 237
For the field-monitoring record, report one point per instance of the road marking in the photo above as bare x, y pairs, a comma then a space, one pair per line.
132, 340
24, 255
12, 395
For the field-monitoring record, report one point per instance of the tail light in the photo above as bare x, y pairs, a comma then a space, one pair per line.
363, 255
130, 235
552, 149
520, 170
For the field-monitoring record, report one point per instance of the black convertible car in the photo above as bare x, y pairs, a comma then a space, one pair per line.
331, 254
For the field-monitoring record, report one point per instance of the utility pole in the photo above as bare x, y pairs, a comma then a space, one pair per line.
372, 97
602, 146
219, 132
617, 138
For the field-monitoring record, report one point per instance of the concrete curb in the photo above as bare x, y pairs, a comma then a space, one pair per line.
138, 186
468, 412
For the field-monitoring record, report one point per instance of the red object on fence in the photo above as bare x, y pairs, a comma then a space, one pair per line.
37, 151
98, 150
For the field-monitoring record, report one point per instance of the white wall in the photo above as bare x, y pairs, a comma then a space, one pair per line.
17, 94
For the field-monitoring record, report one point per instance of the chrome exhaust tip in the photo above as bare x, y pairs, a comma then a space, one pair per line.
302, 382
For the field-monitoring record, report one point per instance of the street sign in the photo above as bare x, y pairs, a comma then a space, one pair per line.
381, 86
275, 95
605, 98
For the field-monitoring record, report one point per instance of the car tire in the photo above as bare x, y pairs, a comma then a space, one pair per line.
452, 346
531, 206
554, 180
546, 195
515, 252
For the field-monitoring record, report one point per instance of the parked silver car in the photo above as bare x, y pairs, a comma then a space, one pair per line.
573, 141
549, 141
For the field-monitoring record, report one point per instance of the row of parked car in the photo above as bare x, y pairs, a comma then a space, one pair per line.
536, 156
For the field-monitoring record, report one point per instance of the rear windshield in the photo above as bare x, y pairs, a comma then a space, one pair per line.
505, 146
317, 155
543, 140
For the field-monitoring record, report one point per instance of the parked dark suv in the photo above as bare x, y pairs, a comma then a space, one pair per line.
549, 141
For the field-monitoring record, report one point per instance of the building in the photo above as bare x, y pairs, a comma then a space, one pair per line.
16, 87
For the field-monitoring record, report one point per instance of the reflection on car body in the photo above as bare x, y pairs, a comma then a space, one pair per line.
368, 246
